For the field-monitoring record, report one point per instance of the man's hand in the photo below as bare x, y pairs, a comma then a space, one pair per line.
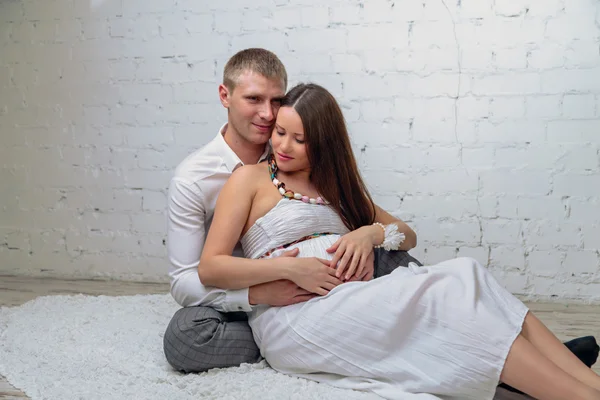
279, 293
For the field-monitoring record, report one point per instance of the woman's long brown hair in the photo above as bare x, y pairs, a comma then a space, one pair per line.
334, 171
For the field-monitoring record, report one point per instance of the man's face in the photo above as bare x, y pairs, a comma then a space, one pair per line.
252, 106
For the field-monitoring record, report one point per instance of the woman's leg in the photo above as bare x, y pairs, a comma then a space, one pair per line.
549, 345
530, 371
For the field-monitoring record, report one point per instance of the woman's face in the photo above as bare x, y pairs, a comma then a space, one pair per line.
288, 141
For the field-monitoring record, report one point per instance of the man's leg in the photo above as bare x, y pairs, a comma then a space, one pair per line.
585, 348
387, 261
200, 338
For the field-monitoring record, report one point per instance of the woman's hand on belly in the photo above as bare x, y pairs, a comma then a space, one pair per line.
367, 273
352, 252
314, 274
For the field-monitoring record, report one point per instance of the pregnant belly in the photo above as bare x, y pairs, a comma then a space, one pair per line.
315, 247
263, 317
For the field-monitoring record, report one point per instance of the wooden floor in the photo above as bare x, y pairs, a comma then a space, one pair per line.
566, 321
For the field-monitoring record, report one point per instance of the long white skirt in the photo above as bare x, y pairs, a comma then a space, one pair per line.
441, 331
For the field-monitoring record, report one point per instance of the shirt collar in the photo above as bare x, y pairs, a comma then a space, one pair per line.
231, 160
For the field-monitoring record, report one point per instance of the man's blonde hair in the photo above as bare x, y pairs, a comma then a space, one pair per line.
256, 60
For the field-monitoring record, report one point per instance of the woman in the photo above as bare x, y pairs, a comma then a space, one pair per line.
444, 331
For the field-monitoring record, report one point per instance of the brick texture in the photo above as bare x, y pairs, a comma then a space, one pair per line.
477, 121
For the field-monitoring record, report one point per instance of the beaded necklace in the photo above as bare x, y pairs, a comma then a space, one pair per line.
286, 192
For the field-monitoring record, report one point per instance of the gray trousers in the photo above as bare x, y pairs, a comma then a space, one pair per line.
200, 338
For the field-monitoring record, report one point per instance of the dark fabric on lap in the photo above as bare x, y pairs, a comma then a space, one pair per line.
387, 261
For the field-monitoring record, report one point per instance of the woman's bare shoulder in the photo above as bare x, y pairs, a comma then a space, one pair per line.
252, 171
250, 175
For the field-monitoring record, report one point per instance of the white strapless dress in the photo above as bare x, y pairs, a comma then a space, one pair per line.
431, 332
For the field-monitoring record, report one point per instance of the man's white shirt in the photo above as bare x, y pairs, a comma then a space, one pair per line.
193, 194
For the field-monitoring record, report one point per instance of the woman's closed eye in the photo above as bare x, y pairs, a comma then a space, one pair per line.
299, 141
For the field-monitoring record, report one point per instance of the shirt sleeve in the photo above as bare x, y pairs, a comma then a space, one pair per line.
186, 234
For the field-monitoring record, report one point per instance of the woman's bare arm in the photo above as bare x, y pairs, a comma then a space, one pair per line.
386, 218
217, 266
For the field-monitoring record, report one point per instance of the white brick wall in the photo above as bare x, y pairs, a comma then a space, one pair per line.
477, 121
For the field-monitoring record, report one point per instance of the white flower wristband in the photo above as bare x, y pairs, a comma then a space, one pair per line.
392, 239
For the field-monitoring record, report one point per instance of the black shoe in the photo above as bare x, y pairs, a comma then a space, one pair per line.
585, 348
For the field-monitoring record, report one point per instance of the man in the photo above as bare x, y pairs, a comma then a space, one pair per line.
211, 330
218, 335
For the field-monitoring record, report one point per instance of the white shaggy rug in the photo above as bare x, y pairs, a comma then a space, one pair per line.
85, 347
